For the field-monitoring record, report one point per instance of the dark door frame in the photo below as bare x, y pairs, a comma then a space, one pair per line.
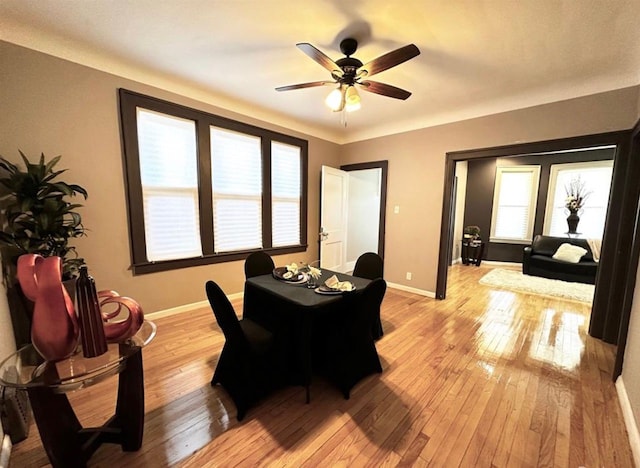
633, 261
384, 167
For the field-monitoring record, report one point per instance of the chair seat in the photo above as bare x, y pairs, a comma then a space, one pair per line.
260, 339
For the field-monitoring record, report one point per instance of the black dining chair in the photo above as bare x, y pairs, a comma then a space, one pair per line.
258, 263
371, 266
350, 354
249, 366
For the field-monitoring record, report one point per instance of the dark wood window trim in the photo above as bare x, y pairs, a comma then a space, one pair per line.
129, 101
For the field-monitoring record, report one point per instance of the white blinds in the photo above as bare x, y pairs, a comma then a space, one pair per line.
168, 172
596, 176
285, 194
514, 203
236, 161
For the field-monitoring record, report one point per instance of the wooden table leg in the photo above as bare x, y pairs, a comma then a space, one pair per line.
58, 426
130, 404
67, 443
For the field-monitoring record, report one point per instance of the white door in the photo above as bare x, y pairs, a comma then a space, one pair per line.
334, 189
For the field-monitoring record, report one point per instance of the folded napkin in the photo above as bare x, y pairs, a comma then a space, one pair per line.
335, 283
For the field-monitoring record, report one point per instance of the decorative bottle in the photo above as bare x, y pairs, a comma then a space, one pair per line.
92, 334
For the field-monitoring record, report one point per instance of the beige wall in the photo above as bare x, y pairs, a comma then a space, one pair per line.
53, 106
7, 342
416, 167
631, 366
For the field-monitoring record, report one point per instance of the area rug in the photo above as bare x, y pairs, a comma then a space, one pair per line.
515, 280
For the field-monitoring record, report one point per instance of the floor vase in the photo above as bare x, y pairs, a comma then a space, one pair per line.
54, 330
572, 222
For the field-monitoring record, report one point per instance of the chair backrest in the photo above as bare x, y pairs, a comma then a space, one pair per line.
364, 308
224, 313
369, 265
258, 263
373, 295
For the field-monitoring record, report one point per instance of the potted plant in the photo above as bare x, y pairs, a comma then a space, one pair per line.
472, 232
38, 216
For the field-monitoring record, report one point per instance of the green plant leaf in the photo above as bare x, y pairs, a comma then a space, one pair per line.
38, 216
49, 166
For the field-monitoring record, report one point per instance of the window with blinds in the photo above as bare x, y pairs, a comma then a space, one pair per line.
514, 204
169, 178
285, 193
205, 189
236, 169
596, 176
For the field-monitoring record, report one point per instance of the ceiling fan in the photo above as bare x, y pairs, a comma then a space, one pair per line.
349, 73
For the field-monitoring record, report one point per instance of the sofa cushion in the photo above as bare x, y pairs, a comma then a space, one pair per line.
548, 245
569, 253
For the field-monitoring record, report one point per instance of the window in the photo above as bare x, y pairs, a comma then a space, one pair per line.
596, 176
168, 174
204, 189
285, 193
514, 204
236, 166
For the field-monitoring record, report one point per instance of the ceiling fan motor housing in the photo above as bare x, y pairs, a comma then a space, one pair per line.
348, 46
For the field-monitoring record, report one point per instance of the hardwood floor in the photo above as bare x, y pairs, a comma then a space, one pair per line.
486, 378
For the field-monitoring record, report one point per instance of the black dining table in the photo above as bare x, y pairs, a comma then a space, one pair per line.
297, 315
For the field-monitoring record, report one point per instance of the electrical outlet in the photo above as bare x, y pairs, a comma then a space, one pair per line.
409, 275
396, 209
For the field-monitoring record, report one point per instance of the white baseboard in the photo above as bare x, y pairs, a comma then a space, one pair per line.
199, 305
456, 261
420, 292
187, 307
629, 420
506, 264
202, 304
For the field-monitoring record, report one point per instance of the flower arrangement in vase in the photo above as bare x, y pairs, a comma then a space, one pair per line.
576, 195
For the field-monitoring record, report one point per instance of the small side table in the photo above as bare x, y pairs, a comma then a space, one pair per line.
472, 252
66, 442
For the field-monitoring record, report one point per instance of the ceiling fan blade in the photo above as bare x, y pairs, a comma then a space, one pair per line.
304, 85
388, 60
319, 57
384, 89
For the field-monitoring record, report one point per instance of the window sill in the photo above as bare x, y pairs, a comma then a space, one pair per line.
167, 265
498, 240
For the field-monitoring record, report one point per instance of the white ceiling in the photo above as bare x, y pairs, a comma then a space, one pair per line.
478, 57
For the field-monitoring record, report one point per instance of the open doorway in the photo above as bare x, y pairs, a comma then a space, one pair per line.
613, 282
526, 205
365, 195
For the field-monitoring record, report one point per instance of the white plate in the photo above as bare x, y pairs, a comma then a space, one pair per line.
331, 292
280, 271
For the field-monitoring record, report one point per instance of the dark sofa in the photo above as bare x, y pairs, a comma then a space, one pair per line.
537, 261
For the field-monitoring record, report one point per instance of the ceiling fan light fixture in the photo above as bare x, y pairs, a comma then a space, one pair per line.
334, 99
352, 99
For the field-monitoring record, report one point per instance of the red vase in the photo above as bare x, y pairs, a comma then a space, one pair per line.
54, 328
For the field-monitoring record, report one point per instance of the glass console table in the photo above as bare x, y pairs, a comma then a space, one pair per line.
66, 442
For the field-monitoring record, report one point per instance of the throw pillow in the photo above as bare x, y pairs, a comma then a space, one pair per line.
569, 253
